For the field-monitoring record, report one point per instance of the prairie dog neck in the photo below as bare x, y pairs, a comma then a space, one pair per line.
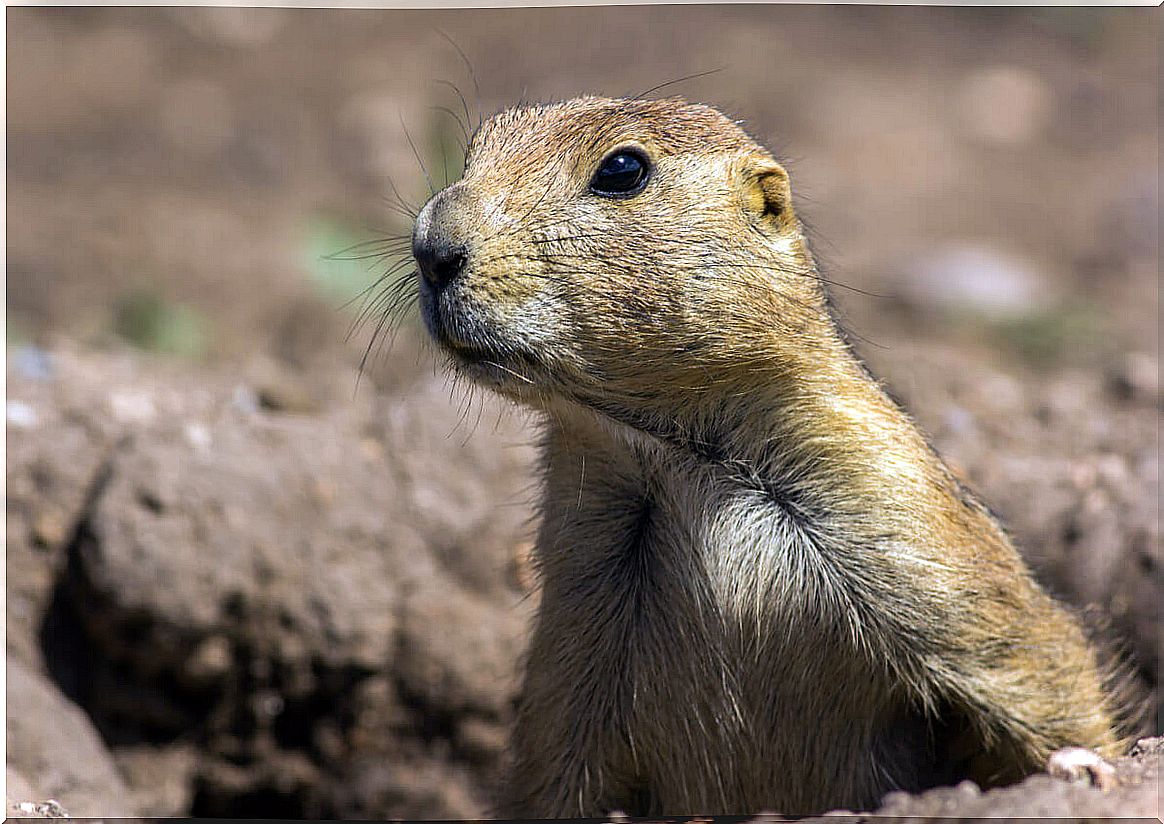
822, 488
819, 441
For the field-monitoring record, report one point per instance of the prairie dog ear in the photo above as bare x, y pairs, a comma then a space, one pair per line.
769, 193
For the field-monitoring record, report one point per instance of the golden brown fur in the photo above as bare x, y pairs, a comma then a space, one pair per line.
761, 589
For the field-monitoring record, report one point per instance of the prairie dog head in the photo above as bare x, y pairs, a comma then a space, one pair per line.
613, 246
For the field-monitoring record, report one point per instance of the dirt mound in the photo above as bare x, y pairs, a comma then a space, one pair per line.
229, 609
314, 604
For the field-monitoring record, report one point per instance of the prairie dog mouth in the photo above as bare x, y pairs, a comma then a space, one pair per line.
473, 342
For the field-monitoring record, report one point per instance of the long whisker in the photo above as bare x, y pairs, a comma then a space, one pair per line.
469, 67
517, 375
388, 273
464, 105
802, 272
382, 248
410, 211
464, 130
678, 80
416, 154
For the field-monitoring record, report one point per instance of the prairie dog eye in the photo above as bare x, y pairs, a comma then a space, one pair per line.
622, 174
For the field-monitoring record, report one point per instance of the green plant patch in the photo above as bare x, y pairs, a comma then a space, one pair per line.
151, 322
1069, 331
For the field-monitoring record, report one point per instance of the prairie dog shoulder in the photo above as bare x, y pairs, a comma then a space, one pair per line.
761, 588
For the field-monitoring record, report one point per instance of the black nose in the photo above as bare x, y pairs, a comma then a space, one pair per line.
440, 261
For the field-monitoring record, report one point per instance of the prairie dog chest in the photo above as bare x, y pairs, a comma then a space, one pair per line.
656, 539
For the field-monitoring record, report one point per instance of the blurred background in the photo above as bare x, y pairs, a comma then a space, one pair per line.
246, 578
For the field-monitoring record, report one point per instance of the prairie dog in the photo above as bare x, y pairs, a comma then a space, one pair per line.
760, 586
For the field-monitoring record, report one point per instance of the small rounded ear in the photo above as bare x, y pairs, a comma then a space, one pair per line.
769, 192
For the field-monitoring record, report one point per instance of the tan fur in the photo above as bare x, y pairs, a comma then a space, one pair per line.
761, 589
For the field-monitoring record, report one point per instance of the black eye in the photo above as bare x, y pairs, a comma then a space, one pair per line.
622, 174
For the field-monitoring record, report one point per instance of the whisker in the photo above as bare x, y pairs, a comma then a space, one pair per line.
565, 238
410, 210
387, 248
464, 105
390, 306
416, 154
677, 81
469, 66
445, 161
812, 273
506, 369
464, 129
388, 273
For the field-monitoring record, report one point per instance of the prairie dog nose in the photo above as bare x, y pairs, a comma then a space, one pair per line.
439, 251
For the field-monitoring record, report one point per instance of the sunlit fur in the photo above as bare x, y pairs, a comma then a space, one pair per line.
760, 587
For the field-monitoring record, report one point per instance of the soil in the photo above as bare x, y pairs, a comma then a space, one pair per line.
250, 572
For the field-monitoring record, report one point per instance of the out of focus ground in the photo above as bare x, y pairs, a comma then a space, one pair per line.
240, 581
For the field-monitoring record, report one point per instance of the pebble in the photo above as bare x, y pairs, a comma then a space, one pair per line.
1135, 377
244, 399
33, 362
43, 809
210, 660
286, 395
1112, 470
132, 407
49, 529
21, 415
198, 436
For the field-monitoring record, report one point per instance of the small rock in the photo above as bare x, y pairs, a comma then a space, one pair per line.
1080, 765
1147, 746
1136, 377
267, 704
40, 809
210, 660
198, 436
244, 399
21, 415
33, 362
49, 529
482, 741
132, 407
287, 396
